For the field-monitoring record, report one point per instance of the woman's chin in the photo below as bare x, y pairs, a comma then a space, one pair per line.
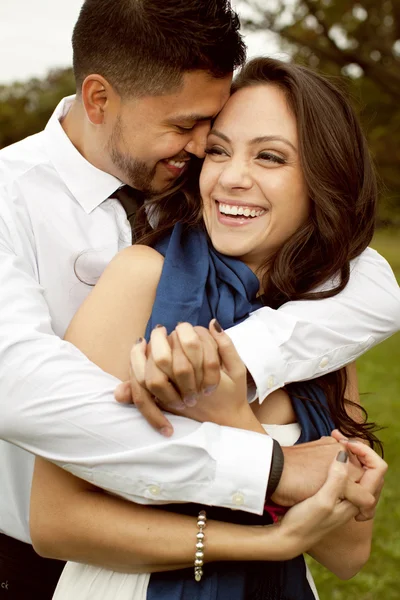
233, 251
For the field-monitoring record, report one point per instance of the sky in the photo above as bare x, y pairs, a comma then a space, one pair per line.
35, 36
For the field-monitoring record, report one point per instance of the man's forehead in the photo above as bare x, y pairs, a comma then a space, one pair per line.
199, 99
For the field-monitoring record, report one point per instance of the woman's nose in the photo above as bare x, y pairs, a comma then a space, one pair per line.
235, 174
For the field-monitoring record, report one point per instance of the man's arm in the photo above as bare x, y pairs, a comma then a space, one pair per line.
299, 341
306, 339
57, 404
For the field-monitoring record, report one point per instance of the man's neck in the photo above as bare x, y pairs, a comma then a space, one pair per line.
77, 128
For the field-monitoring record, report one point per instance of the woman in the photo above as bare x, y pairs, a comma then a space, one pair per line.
287, 189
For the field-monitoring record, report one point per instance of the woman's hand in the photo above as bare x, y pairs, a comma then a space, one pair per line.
374, 470
306, 523
225, 403
195, 373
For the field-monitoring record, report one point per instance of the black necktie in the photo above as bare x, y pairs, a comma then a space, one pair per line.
131, 200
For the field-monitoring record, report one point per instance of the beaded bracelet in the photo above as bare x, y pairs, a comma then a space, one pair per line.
199, 556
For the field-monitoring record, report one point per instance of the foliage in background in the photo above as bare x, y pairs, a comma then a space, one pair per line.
26, 107
360, 41
356, 41
379, 383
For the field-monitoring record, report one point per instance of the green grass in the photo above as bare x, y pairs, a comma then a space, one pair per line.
379, 381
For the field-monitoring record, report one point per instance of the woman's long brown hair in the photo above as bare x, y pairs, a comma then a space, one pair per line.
314, 263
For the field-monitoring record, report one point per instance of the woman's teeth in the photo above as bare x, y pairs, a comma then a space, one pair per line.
179, 164
228, 209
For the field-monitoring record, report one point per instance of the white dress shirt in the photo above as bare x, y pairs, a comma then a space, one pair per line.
54, 216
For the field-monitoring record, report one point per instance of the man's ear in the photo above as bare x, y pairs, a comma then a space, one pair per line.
97, 97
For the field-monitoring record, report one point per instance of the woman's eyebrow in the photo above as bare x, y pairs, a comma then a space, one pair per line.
272, 138
220, 135
256, 140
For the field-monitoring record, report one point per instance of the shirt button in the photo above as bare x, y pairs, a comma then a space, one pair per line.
238, 499
155, 490
324, 362
270, 382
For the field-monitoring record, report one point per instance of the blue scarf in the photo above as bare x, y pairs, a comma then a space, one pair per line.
198, 284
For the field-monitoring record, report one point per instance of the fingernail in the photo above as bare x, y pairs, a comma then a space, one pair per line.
217, 326
166, 431
190, 400
353, 441
209, 390
139, 340
158, 326
179, 406
342, 457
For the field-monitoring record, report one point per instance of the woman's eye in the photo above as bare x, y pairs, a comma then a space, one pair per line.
215, 151
269, 157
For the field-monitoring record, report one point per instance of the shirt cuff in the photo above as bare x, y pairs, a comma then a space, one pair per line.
242, 470
260, 353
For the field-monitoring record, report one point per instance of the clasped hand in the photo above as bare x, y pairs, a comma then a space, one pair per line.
198, 373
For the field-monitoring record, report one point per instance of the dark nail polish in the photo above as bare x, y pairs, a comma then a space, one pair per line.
217, 326
342, 457
139, 340
158, 326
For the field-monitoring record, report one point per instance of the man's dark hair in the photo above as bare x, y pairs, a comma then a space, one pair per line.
143, 47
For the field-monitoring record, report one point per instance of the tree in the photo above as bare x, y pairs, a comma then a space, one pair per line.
26, 107
358, 41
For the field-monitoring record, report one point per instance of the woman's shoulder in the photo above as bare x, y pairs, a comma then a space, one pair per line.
138, 264
138, 256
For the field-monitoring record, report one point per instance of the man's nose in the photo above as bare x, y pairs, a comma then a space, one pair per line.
198, 141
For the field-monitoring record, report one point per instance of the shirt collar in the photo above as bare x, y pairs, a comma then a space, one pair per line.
88, 184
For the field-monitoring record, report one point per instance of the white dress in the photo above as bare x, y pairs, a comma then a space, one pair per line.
84, 582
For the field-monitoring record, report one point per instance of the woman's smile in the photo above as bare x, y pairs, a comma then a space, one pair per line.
237, 214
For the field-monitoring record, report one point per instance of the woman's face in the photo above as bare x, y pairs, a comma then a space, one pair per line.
252, 185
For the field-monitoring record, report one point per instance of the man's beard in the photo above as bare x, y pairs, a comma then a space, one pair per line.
136, 172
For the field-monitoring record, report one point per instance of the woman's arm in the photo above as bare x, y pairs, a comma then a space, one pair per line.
72, 520
115, 313
346, 550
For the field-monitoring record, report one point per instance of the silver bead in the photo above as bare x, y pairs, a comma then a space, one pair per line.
200, 545
199, 554
200, 535
198, 562
201, 523
198, 575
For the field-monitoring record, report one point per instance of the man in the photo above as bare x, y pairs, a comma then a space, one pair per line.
150, 78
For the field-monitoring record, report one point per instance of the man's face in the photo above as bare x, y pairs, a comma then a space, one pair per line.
153, 138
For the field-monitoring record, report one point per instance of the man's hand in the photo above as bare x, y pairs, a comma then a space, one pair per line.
306, 468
